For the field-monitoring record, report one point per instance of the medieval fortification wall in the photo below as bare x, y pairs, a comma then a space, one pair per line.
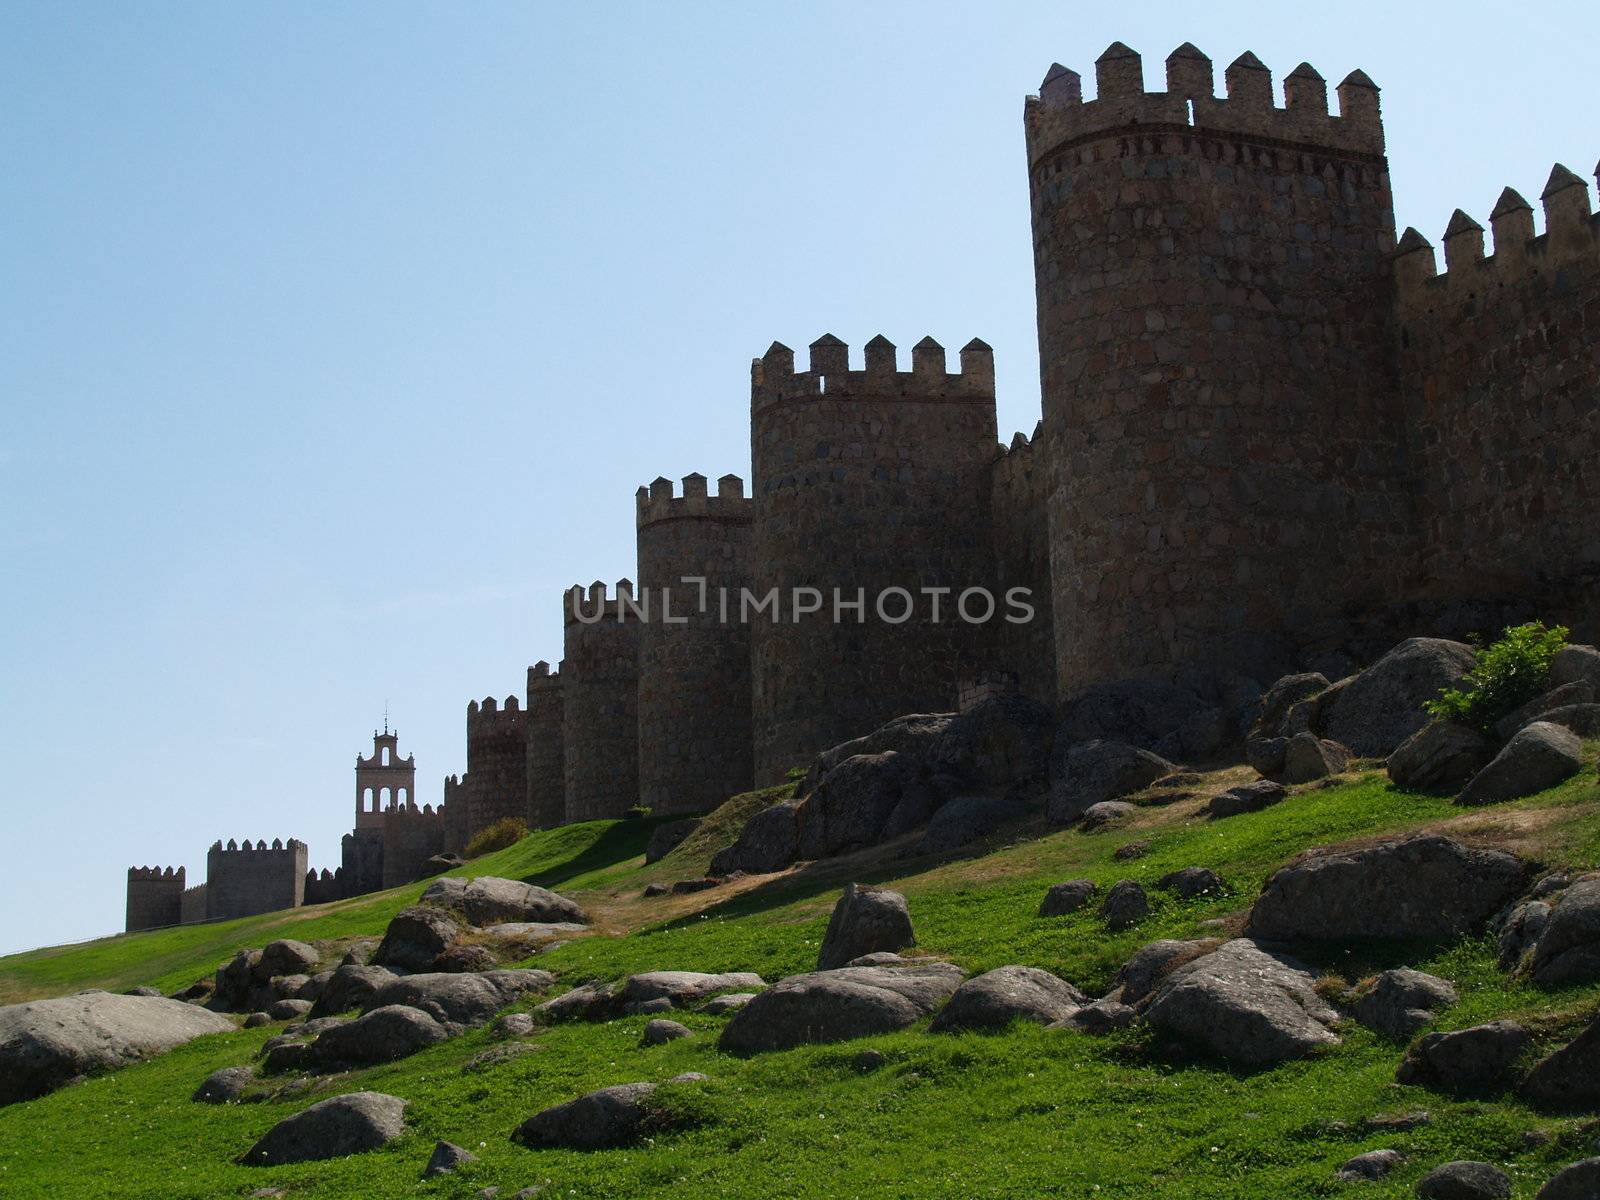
1265, 424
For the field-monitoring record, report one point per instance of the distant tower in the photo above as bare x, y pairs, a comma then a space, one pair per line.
1219, 402
694, 657
865, 482
384, 781
155, 897
496, 782
547, 779
600, 702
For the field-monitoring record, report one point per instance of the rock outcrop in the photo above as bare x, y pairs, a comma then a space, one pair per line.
834, 1006
1540, 756
1382, 706
996, 998
865, 920
349, 1124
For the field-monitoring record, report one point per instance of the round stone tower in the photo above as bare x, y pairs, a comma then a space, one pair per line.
496, 783
1218, 409
547, 783
600, 702
865, 482
694, 652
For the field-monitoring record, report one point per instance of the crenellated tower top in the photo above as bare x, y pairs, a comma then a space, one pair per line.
773, 378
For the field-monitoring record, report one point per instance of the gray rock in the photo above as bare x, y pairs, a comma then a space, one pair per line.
853, 802
1087, 774
286, 957
1573, 664
731, 1002
1423, 887
966, 819
1244, 1004
1001, 744
586, 1002
1163, 717
1478, 1059
143, 991
1579, 691
1464, 1181
1382, 706
237, 987
834, 1006
1189, 882
1519, 931
659, 1032
1568, 1077
1103, 1016
438, 864
1399, 1002
488, 900
359, 954
869, 1060
416, 936
658, 889
1374, 1164
1581, 719
351, 986
446, 1158
462, 958
865, 920
1440, 757
667, 837
1265, 755
517, 1025
1246, 798
461, 999
996, 998
1567, 949
1107, 812
289, 1010
659, 1005
1308, 757
688, 887
1070, 896
682, 989
1272, 714
45, 1044
1137, 848
224, 1086
1540, 756
382, 1035
1125, 905
911, 735
257, 1020
1152, 963
608, 1117
1580, 1181
769, 841
349, 1124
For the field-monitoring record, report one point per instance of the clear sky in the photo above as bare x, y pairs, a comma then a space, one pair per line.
335, 338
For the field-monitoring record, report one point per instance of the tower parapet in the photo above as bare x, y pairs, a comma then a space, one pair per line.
694, 554
155, 897
243, 880
496, 783
1500, 380
1219, 399
546, 769
600, 701
865, 482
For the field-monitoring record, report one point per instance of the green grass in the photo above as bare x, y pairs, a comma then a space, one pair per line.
1023, 1113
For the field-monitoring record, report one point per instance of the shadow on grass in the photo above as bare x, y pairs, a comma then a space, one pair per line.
617, 844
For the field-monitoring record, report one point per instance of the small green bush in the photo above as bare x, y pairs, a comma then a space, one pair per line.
507, 831
1508, 674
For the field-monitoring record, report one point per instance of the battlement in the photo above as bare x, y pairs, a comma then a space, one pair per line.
596, 605
146, 874
729, 506
1572, 234
541, 677
490, 713
279, 846
1060, 118
773, 378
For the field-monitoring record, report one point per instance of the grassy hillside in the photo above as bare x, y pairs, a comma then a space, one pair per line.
1023, 1113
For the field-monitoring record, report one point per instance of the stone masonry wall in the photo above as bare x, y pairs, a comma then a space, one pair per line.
322, 887
155, 897
411, 836
864, 480
1218, 388
244, 880
694, 669
193, 909
1500, 360
454, 806
496, 783
1018, 502
547, 767
600, 703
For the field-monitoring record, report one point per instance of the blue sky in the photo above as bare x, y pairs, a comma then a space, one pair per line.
335, 339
